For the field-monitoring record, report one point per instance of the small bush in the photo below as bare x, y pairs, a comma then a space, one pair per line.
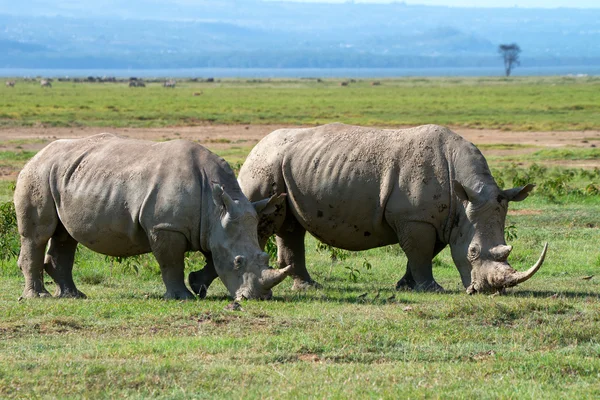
9, 234
271, 248
335, 254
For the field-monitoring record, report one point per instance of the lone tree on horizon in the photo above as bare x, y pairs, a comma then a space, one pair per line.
510, 53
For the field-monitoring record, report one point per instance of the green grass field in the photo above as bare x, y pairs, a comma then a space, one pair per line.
513, 104
357, 337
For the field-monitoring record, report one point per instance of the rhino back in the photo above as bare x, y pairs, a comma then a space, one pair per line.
349, 185
111, 193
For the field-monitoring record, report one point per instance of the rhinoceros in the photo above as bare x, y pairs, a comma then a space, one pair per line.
123, 197
358, 188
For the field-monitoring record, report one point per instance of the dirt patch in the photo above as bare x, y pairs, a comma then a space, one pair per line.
524, 212
225, 135
217, 137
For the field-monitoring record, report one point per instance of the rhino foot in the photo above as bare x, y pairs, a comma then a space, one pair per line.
69, 294
34, 294
429, 287
409, 284
200, 281
179, 295
300, 284
405, 284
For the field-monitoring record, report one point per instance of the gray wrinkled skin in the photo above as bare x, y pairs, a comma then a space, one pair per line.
358, 188
123, 197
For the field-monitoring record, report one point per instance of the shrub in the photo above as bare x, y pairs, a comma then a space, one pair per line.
9, 234
554, 184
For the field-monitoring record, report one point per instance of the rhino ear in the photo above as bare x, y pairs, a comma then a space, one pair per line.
518, 193
463, 192
217, 194
268, 206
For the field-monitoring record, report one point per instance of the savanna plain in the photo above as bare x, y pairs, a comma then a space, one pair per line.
356, 337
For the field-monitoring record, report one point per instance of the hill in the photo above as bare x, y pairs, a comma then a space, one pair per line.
232, 33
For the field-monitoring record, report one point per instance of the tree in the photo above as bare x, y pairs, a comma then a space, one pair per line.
510, 53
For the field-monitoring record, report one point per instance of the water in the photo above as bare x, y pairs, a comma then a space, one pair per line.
300, 72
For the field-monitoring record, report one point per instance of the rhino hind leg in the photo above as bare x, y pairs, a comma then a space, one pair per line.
31, 261
418, 241
169, 249
201, 280
59, 263
37, 222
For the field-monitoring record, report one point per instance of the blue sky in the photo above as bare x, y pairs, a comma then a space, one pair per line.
484, 3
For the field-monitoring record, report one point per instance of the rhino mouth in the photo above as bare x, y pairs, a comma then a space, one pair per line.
504, 276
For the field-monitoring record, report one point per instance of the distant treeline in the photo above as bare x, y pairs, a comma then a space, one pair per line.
275, 59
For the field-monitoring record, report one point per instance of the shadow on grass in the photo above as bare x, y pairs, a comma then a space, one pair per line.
555, 294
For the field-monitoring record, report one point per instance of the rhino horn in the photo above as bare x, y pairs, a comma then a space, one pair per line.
518, 277
501, 252
271, 277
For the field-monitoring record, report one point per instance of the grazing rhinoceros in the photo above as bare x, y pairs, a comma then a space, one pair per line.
124, 197
357, 188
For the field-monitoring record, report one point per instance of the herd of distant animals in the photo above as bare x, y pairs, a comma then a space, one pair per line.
133, 82
137, 82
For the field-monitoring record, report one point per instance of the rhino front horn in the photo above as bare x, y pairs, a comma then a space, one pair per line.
519, 277
271, 277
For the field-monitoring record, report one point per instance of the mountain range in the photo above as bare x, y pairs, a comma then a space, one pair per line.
279, 34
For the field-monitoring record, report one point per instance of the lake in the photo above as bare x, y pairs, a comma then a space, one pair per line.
299, 72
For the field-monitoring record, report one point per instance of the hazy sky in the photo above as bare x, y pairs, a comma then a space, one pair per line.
484, 3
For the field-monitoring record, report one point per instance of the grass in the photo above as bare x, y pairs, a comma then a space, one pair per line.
555, 103
6, 191
356, 337
540, 340
353, 338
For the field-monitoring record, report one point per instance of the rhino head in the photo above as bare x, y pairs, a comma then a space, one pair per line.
238, 260
478, 246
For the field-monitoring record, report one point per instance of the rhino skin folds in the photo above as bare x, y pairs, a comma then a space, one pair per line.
357, 188
123, 197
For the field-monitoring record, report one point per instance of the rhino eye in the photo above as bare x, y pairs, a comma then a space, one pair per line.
238, 262
474, 252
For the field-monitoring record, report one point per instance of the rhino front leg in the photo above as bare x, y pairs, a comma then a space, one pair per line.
59, 263
169, 249
200, 280
407, 282
418, 241
290, 251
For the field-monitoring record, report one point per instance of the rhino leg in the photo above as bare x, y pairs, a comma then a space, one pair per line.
290, 251
59, 263
169, 249
31, 262
200, 280
418, 241
37, 220
406, 282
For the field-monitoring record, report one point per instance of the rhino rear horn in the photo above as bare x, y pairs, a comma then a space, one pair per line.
519, 277
501, 252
